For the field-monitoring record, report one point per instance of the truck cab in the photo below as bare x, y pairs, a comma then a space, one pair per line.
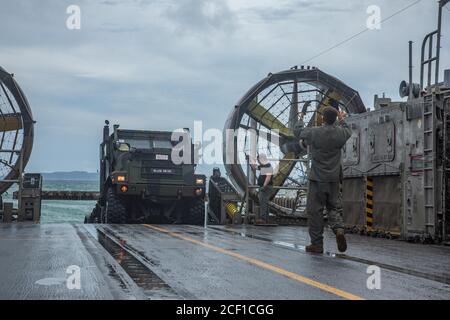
141, 182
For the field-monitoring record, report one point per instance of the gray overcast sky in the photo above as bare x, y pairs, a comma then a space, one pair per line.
161, 64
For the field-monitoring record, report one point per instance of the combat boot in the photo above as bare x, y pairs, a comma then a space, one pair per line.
314, 248
340, 240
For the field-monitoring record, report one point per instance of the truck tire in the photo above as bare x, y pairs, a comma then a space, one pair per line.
115, 210
95, 216
195, 215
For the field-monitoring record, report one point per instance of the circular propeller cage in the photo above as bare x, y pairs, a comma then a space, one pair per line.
16, 130
268, 119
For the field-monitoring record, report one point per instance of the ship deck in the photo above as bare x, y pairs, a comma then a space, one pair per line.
218, 262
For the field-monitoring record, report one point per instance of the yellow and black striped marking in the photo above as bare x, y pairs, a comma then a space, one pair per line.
369, 204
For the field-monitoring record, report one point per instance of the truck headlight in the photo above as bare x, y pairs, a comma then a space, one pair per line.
199, 181
121, 179
198, 192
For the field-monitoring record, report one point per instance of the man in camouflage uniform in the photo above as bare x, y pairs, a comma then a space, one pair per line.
325, 144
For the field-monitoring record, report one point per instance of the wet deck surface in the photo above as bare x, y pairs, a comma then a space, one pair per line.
189, 262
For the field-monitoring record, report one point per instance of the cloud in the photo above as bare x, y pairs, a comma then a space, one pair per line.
201, 15
297, 9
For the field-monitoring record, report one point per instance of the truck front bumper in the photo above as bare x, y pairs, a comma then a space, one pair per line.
149, 191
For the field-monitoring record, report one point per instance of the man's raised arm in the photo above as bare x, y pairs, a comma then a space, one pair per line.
346, 131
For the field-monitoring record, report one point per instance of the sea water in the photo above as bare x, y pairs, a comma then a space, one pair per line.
58, 211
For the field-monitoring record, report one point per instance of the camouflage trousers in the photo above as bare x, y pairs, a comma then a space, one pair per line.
323, 195
264, 197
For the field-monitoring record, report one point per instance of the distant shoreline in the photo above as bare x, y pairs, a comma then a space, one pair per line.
78, 175
70, 175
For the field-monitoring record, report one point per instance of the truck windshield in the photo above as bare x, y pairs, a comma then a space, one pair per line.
139, 144
162, 144
147, 144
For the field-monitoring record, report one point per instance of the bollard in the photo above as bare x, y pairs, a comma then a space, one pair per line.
205, 225
7, 212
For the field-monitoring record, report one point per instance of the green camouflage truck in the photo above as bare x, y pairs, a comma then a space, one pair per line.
139, 182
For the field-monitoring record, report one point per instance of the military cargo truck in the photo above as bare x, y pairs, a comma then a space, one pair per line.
140, 183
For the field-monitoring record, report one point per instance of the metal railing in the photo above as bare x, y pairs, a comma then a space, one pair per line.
428, 62
250, 186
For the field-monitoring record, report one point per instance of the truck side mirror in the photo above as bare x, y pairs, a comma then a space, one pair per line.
122, 146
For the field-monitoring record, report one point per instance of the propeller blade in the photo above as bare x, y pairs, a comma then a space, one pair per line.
293, 112
284, 169
317, 119
10, 122
263, 116
271, 136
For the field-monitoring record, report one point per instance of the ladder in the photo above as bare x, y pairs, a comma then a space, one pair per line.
446, 180
429, 165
